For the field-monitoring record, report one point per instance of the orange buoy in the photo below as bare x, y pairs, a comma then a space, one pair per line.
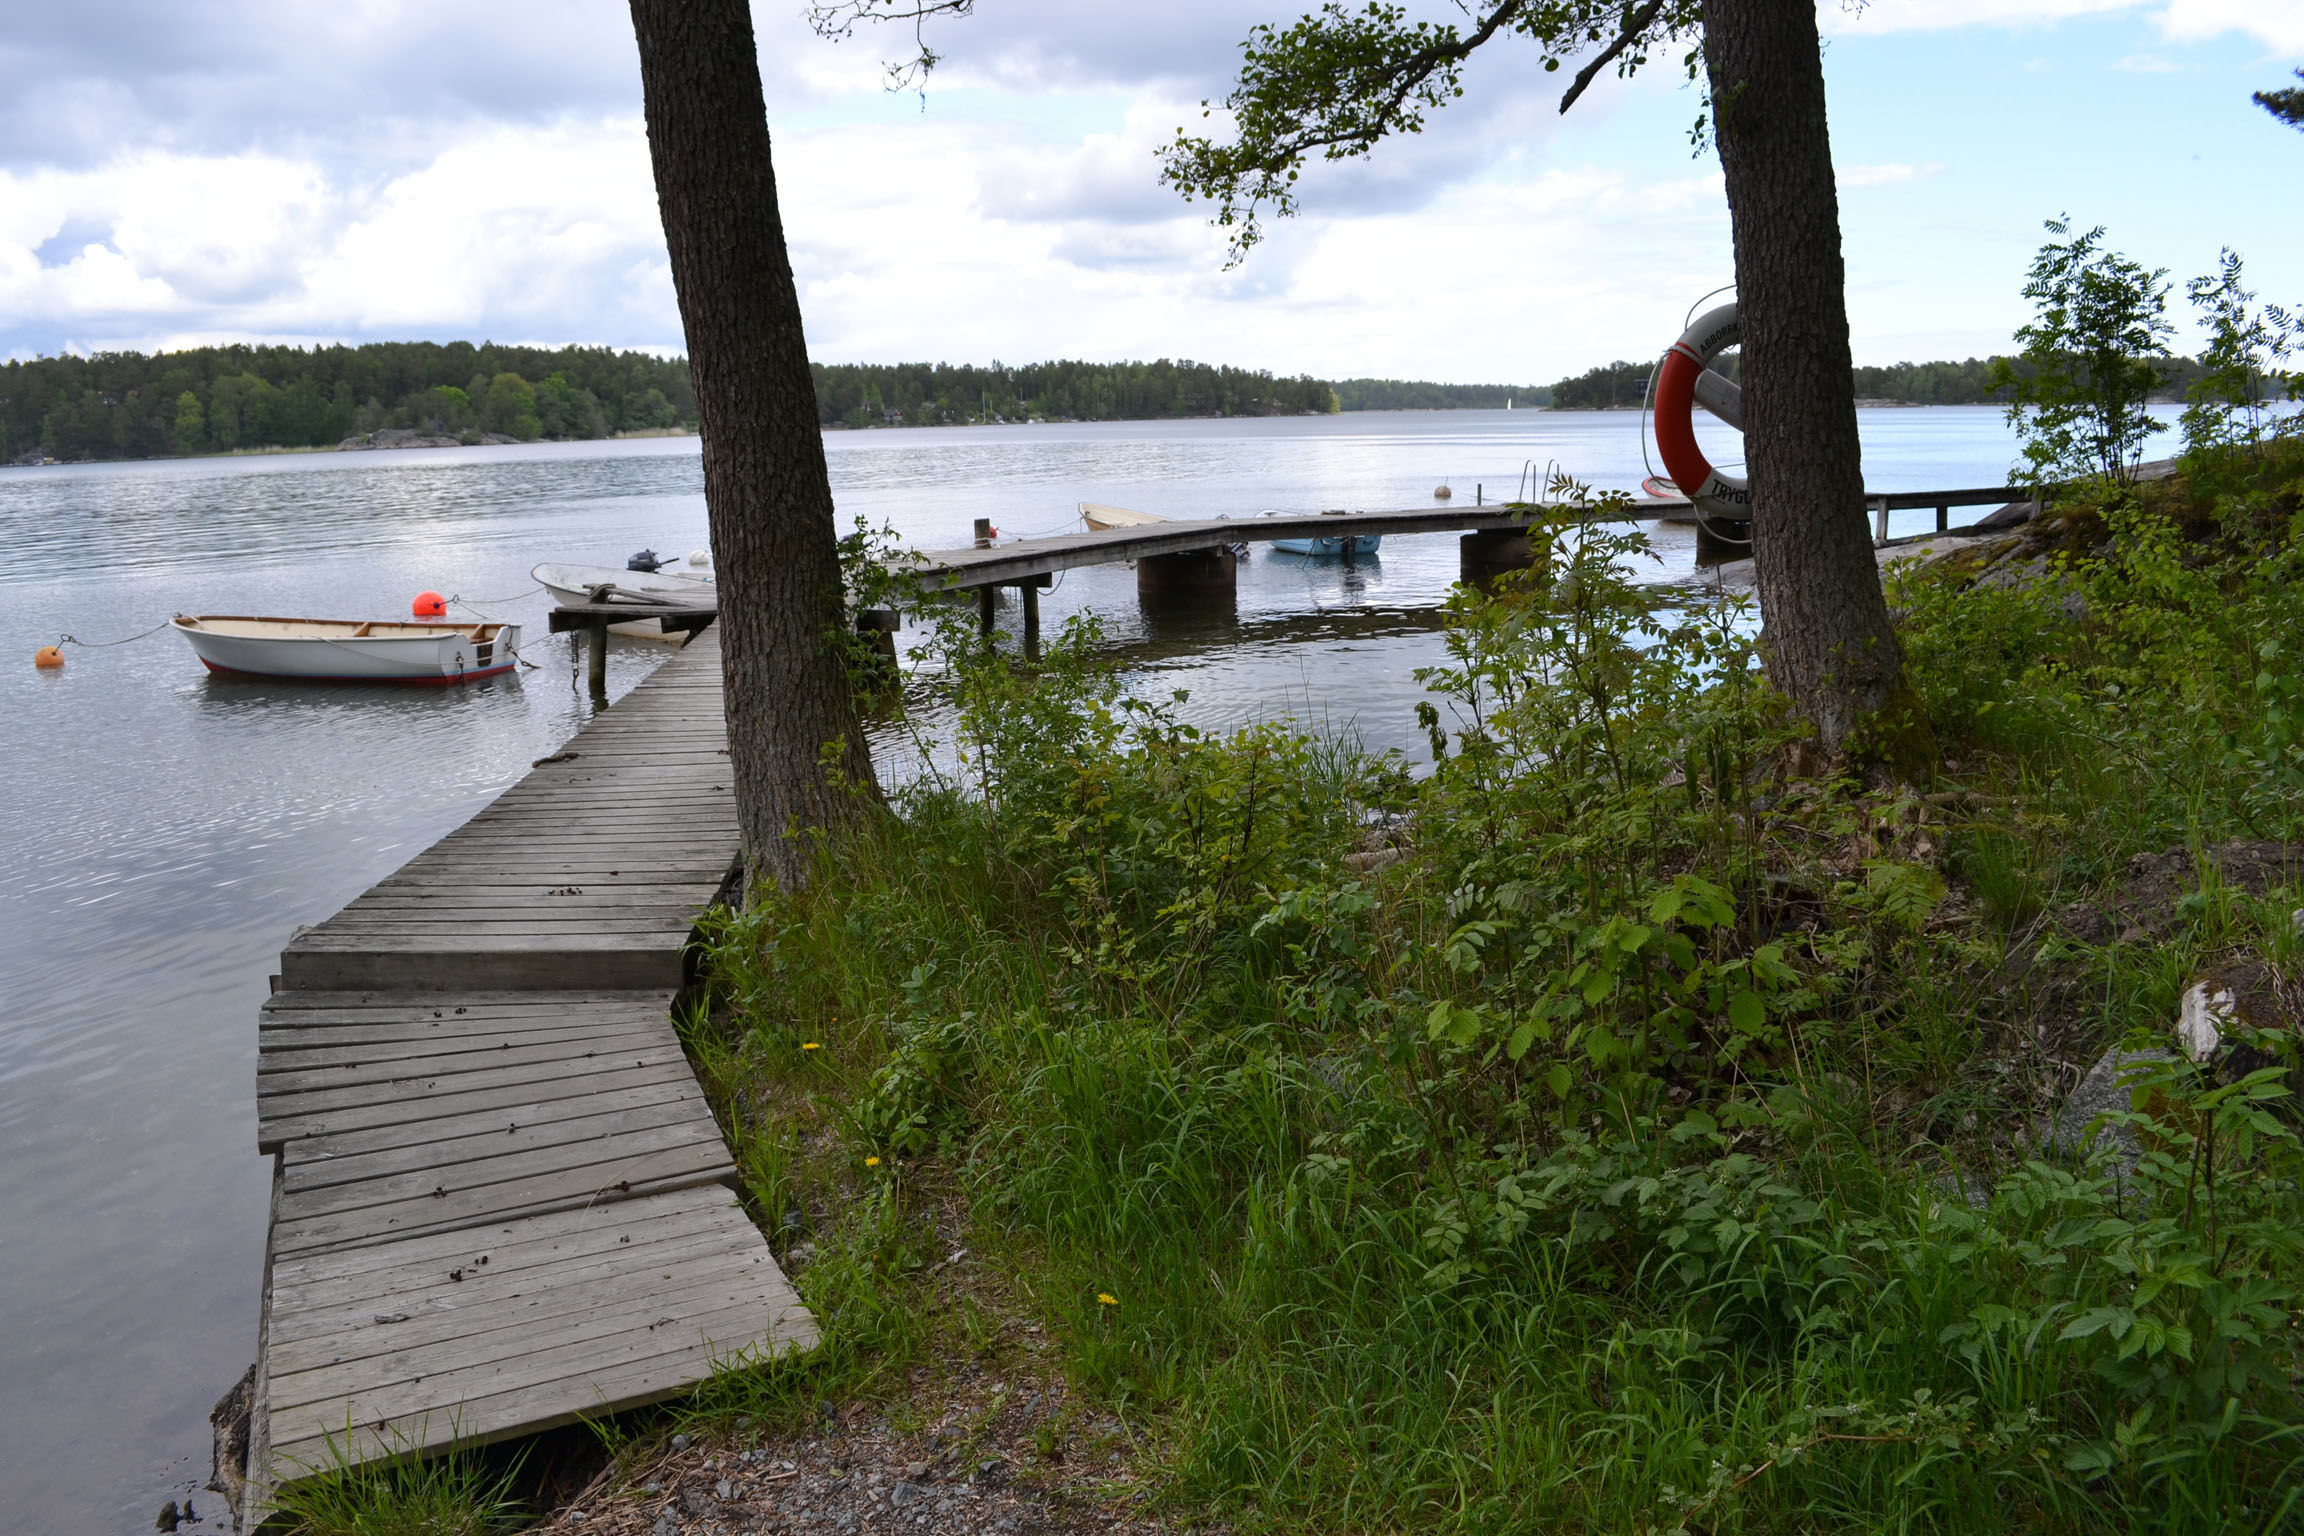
48, 658
431, 605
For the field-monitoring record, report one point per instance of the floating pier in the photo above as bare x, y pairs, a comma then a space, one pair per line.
500, 1202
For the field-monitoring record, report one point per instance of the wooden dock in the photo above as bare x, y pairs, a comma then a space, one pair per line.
500, 1201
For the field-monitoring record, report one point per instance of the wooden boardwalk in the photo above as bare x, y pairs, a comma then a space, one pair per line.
588, 873
500, 1201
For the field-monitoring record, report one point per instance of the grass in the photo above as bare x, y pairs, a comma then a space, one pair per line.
1596, 1168
465, 1492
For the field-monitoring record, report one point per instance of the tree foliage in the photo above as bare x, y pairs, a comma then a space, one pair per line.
2097, 344
1335, 84
132, 405
2240, 373
2286, 105
936, 394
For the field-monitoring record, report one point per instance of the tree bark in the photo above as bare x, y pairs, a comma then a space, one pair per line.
1827, 642
766, 489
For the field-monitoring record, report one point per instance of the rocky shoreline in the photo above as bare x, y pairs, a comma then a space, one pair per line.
411, 437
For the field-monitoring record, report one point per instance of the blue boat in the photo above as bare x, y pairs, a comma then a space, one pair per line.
1351, 545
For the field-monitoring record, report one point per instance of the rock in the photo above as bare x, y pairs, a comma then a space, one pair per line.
168, 1517
2201, 1020
1373, 860
680, 1442
917, 1471
2074, 1132
903, 1494
228, 1424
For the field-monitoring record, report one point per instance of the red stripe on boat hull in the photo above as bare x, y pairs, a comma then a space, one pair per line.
443, 681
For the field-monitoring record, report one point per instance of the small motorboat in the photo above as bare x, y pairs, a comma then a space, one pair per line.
1352, 545
1349, 545
638, 585
640, 588
350, 650
1657, 488
1102, 519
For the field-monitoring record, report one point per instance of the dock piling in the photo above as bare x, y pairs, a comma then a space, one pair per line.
1194, 575
596, 667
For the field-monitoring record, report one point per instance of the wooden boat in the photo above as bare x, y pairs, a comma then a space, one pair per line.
638, 588
1101, 518
349, 650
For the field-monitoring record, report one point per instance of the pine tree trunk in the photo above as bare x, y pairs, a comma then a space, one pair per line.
765, 485
1827, 641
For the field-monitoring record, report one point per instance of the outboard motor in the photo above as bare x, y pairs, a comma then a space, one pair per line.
647, 560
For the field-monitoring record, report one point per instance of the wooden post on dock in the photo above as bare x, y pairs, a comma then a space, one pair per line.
1030, 592
1879, 520
597, 668
986, 598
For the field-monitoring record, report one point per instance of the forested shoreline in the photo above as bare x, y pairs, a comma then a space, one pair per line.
130, 405
1623, 385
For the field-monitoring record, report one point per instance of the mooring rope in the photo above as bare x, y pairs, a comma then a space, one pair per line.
98, 645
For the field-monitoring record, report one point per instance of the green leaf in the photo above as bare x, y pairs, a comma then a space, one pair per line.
2118, 1319
1746, 1012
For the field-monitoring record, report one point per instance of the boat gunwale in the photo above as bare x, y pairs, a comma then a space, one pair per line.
197, 622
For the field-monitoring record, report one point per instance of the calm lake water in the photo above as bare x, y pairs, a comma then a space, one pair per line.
164, 832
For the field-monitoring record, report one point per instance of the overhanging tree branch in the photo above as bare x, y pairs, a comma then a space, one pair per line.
1638, 23
1337, 83
2287, 105
837, 19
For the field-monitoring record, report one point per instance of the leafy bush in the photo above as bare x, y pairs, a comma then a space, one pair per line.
1636, 1138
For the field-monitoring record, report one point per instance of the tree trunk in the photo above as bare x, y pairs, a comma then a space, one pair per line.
765, 484
1827, 642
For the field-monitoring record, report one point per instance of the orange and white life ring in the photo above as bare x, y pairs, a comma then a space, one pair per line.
1719, 494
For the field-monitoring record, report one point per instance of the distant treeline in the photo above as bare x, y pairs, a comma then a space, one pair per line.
1410, 395
1944, 383
937, 394
126, 405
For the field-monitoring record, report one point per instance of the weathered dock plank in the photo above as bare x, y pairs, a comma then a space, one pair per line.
439, 1111
643, 791
515, 1327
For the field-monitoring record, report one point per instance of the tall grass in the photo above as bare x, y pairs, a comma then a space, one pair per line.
1647, 1150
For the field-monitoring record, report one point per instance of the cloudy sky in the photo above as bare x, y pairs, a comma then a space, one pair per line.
180, 171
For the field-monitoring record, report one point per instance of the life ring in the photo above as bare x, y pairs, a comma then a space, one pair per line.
1721, 495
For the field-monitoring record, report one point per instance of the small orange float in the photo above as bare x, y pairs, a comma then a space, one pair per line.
431, 605
48, 658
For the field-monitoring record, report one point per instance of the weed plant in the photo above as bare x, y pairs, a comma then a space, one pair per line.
1611, 1130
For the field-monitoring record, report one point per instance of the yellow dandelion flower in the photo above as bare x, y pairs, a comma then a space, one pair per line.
1107, 1299
811, 1045
871, 1162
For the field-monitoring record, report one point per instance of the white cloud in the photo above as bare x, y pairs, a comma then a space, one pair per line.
2278, 24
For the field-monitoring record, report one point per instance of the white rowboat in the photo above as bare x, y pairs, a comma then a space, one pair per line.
1100, 517
349, 650
641, 589
637, 589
